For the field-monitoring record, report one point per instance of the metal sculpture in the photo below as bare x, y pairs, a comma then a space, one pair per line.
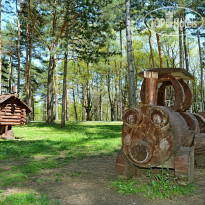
154, 134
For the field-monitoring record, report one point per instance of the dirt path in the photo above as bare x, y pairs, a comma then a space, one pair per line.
88, 183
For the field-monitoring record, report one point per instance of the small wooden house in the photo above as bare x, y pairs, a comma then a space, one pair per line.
13, 111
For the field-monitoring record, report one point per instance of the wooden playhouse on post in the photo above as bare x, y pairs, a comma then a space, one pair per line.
13, 111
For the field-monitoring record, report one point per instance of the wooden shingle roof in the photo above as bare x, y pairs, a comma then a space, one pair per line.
5, 97
178, 73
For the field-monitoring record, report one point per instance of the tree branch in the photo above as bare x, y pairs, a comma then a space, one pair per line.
33, 23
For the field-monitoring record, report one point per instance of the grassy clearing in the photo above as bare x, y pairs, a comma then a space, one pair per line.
41, 146
157, 186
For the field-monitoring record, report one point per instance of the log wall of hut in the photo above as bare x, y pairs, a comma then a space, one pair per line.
12, 112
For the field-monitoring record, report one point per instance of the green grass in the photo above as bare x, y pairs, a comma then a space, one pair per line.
78, 139
74, 174
27, 199
41, 146
159, 186
12, 178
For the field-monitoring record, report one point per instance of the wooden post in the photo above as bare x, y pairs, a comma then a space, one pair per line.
123, 167
6, 129
14, 89
184, 165
151, 79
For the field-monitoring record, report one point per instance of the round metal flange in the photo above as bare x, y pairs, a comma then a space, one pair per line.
132, 117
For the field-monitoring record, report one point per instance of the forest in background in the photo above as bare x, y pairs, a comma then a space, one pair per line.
71, 56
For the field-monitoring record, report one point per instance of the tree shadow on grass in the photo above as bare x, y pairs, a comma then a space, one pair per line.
104, 134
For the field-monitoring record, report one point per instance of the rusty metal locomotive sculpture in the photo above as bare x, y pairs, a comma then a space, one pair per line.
154, 134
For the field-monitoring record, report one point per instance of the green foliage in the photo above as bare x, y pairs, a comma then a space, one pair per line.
159, 186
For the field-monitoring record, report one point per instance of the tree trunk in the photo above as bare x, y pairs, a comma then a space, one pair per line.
132, 91
101, 100
50, 71
29, 65
56, 89
150, 46
64, 81
10, 70
107, 114
64, 89
115, 103
185, 48
67, 101
180, 48
19, 54
88, 106
112, 105
83, 102
202, 74
101, 108
33, 107
28, 86
159, 50
50, 90
44, 110
74, 105
88, 94
26, 66
120, 76
0, 49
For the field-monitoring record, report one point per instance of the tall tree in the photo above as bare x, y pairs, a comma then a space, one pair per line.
56, 88
120, 76
131, 74
150, 46
202, 73
180, 47
55, 35
159, 50
64, 81
19, 36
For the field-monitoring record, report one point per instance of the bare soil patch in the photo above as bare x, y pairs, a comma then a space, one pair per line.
87, 182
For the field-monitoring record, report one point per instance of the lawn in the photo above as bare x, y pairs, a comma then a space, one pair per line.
40, 146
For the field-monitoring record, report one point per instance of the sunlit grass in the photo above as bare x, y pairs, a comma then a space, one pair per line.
75, 139
40, 146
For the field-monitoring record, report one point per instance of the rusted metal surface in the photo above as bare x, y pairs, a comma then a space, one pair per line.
154, 134
151, 79
183, 95
161, 98
193, 126
151, 142
187, 96
201, 122
202, 114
